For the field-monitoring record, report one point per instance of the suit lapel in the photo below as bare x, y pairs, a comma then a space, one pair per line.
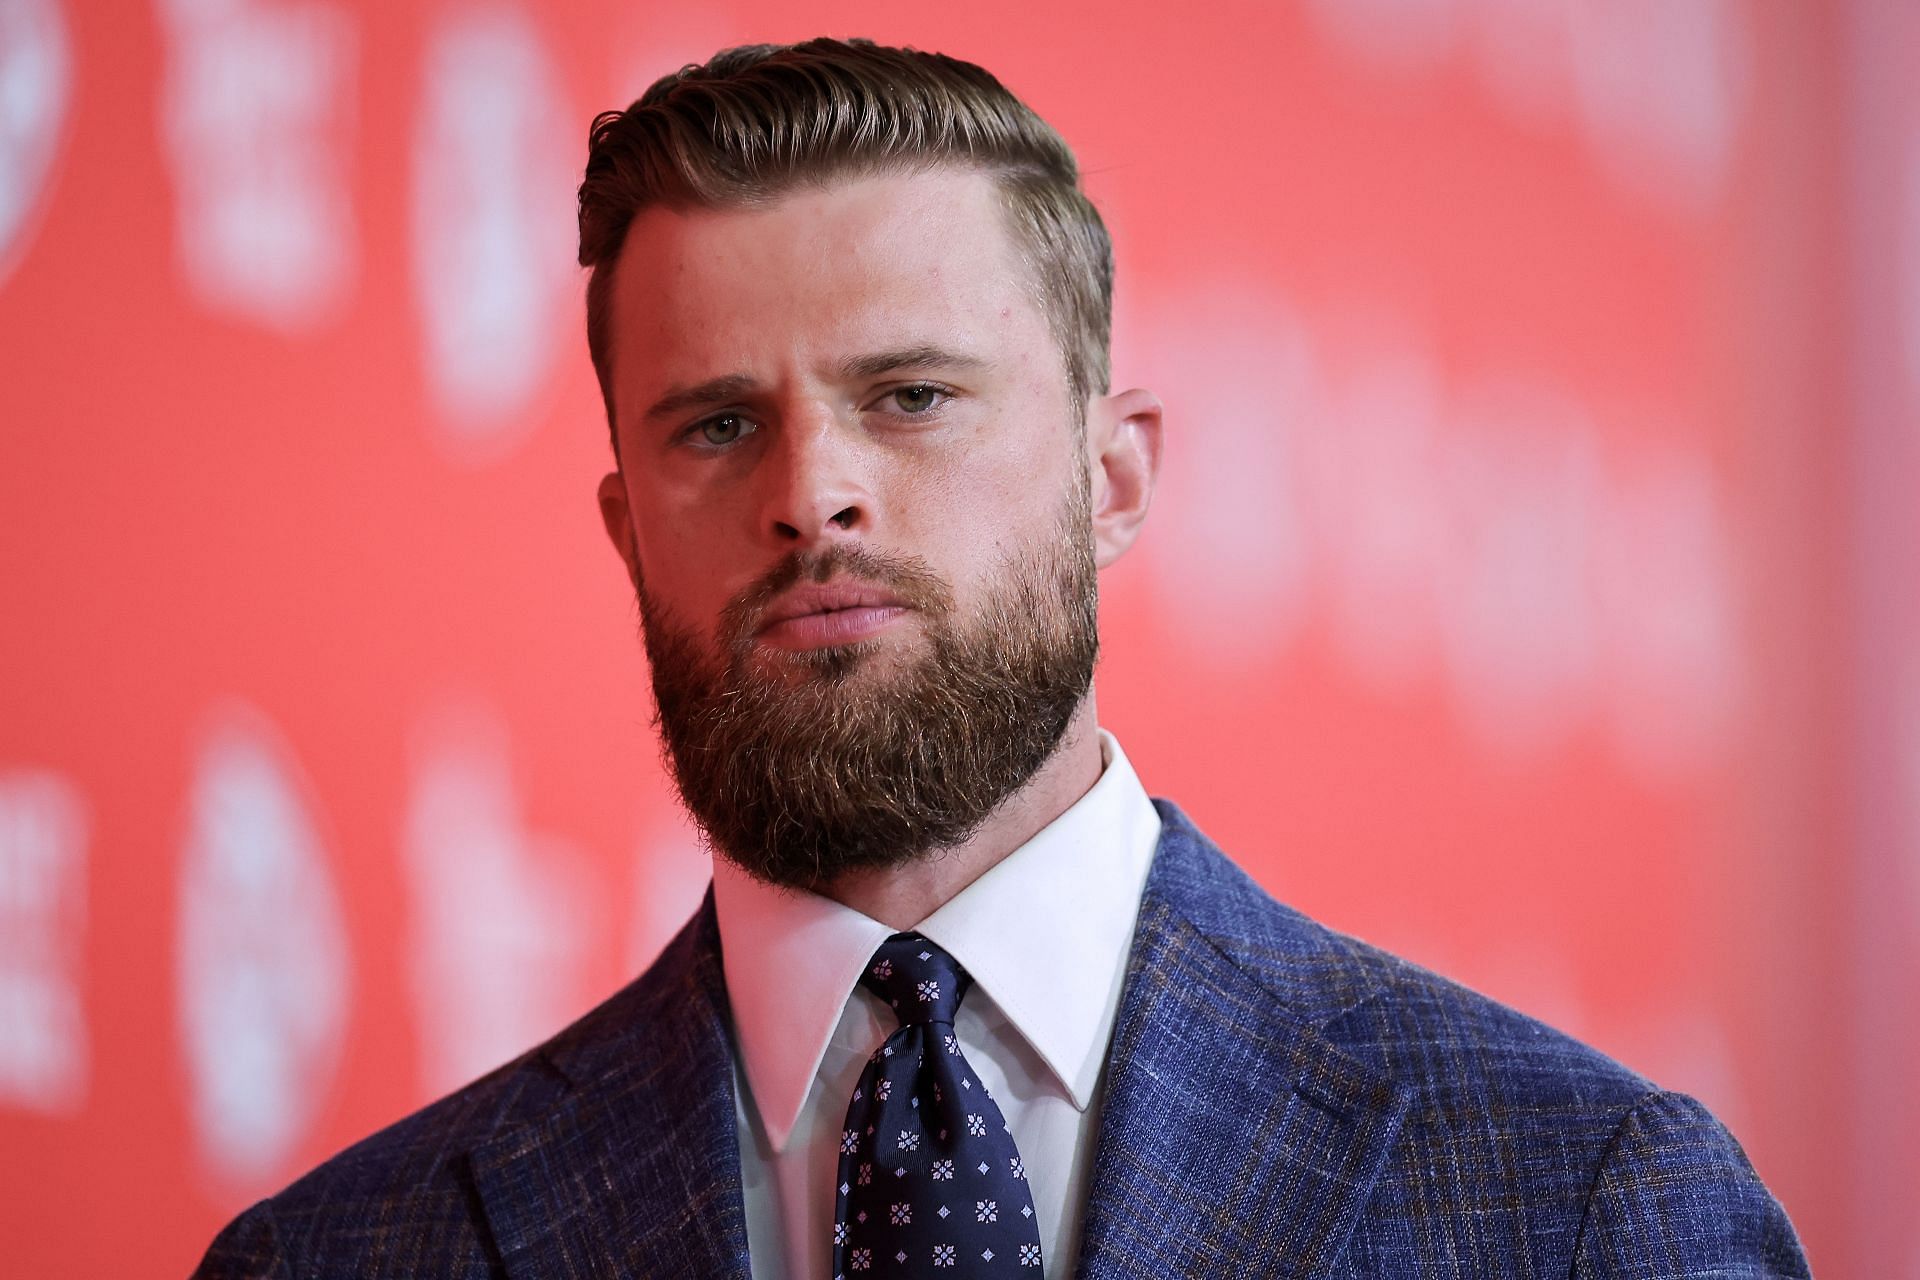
1235, 1138
636, 1170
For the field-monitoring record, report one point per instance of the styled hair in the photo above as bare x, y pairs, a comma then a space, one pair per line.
753, 123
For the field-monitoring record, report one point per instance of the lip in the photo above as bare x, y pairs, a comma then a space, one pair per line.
832, 613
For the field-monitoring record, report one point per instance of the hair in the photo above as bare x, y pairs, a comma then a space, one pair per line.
753, 123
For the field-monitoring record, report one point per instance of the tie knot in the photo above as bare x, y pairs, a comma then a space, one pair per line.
921, 982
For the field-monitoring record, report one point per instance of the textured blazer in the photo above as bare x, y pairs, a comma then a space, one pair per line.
1280, 1100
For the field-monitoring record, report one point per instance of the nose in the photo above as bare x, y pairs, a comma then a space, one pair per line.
815, 493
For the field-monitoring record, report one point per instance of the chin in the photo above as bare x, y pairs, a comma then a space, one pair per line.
836, 663
862, 660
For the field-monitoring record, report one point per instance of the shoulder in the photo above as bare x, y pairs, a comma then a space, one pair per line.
1672, 1174
401, 1193
401, 1201
1429, 1033
1505, 1120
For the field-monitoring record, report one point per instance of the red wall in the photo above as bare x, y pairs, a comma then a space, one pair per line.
1531, 590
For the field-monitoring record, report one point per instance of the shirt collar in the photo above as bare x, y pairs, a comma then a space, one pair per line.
793, 958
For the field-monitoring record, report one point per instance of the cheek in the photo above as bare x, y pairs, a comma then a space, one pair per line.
679, 560
969, 522
1017, 460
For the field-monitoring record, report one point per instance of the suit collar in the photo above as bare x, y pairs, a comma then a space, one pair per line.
1237, 1135
1047, 930
636, 1169
793, 958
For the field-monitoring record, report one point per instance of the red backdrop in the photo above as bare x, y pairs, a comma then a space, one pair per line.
1532, 590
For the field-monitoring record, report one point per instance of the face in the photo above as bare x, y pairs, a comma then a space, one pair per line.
861, 517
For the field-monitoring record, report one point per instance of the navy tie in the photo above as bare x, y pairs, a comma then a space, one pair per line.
930, 1181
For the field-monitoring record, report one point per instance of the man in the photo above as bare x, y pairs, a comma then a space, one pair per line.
962, 1000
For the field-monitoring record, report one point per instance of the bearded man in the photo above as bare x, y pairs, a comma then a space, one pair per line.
962, 1001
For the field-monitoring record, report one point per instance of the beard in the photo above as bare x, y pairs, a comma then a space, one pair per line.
809, 771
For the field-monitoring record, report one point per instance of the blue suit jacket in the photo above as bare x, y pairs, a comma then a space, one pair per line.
1281, 1101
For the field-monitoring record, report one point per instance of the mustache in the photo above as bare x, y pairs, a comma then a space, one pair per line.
909, 578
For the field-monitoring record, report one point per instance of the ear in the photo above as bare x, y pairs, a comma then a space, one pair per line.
1123, 451
615, 516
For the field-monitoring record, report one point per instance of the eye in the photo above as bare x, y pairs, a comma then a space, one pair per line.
722, 430
918, 398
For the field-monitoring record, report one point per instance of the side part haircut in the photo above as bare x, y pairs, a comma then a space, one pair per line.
753, 123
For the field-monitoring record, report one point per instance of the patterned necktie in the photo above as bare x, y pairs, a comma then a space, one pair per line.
929, 1176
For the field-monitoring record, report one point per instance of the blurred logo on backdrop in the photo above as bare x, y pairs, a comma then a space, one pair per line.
1659, 89
1235, 556
505, 918
43, 916
496, 153
1475, 530
261, 964
34, 82
258, 120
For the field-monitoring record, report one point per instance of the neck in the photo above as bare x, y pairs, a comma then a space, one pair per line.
901, 897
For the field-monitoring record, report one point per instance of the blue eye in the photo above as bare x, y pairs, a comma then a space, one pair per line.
918, 398
725, 429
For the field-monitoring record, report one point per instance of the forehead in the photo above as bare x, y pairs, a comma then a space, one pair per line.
925, 256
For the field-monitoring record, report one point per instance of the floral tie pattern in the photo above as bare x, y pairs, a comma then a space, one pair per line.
930, 1181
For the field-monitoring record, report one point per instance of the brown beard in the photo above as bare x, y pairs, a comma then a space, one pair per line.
805, 774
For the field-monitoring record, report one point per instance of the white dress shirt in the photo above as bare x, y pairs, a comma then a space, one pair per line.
1045, 934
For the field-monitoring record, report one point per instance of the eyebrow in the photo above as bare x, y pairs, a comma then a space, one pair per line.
732, 386
907, 360
713, 391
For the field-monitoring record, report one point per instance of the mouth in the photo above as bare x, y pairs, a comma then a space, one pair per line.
823, 615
